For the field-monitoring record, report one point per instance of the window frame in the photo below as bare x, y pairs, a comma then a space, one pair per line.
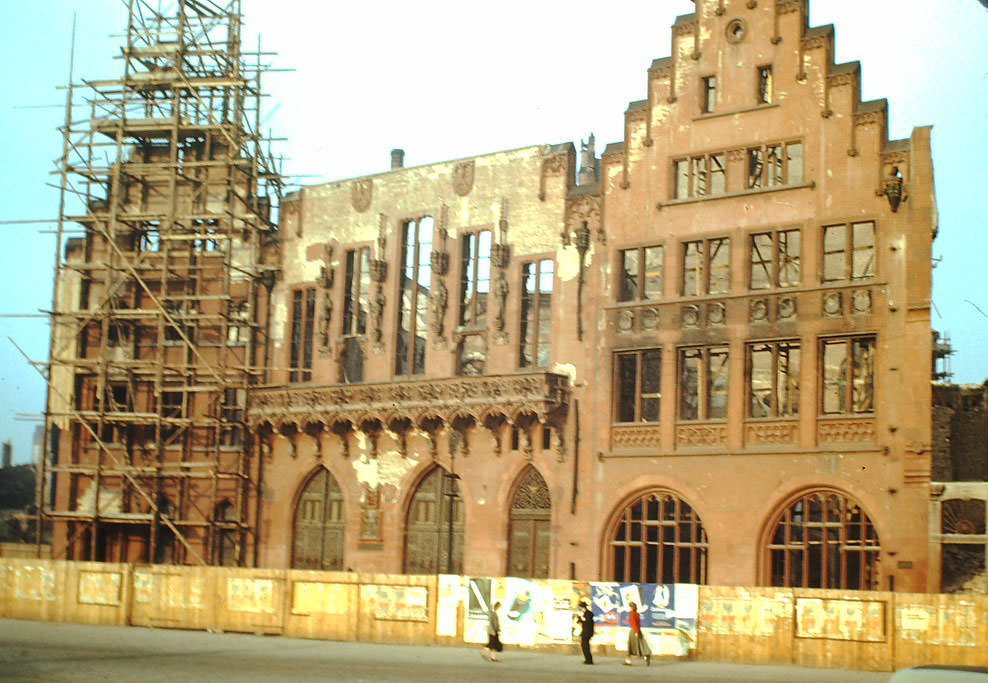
418, 306
849, 382
638, 393
776, 262
533, 345
640, 294
765, 181
301, 331
764, 84
708, 94
774, 411
849, 251
703, 382
695, 176
704, 269
354, 280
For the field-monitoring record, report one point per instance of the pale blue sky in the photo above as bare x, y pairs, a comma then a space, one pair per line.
445, 79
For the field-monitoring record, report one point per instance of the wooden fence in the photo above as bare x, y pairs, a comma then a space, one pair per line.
864, 630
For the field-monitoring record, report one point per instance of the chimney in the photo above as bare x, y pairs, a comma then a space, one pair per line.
397, 159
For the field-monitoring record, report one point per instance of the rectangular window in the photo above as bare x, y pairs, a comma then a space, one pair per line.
232, 416
774, 259
849, 252
413, 309
775, 165
703, 383
848, 375
773, 379
700, 176
303, 318
356, 291
706, 267
172, 408
641, 274
475, 279
708, 94
637, 386
536, 311
765, 84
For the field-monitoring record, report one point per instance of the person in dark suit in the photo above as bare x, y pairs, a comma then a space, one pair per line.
586, 630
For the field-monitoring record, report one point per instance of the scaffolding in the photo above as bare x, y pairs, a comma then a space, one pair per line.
161, 307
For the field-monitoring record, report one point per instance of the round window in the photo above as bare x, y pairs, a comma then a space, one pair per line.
736, 29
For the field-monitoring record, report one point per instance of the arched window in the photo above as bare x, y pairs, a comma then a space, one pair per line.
319, 524
529, 534
823, 539
659, 539
429, 532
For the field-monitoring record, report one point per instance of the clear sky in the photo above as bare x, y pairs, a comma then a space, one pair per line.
445, 79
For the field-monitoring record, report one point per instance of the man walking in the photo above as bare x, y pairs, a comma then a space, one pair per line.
586, 631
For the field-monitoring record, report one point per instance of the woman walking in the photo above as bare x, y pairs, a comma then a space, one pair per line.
637, 645
493, 635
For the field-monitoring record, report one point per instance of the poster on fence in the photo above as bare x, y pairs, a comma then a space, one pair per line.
396, 603
750, 616
250, 595
447, 602
858, 620
100, 588
668, 614
532, 612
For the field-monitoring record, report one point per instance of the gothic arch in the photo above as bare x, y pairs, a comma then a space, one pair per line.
318, 526
529, 526
429, 534
822, 538
657, 537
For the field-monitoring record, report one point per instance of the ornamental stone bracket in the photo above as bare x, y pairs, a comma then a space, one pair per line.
484, 399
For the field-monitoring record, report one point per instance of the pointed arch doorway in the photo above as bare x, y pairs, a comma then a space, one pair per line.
529, 532
319, 524
428, 532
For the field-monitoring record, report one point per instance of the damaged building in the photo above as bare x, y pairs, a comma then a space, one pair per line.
703, 356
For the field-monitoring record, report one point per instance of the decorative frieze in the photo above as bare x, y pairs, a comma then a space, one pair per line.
636, 436
846, 430
539, 394
701, 436
756, 433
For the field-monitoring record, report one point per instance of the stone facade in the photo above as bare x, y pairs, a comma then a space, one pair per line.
714, 350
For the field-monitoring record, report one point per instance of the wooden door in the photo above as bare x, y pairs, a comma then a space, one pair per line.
319, 524
529, 532
427, 529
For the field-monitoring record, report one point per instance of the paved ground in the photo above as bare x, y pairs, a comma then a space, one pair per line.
41, 651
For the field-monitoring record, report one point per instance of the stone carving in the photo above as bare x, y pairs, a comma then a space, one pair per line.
758, 311
700, 436
378, 274
786, 307
551, 166
846, 430
439, 299
585, 210
861, 301
868, 118
684, 29
837, 80
833, 304
691, 316
361, 192
532, 493
538, 394
737, 154
893, 189
500, 256
815, 42
370, 513
786, 6
650, 319
771, 432
327, 276
637, 436
626, 321
716, 313
463, 173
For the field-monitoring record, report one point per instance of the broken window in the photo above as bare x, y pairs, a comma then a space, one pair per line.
536, 313
774, 259
706, 267
475, 279
708, 94
700, 176
765, 84
659, 538
172, 409
641, 274
238, 322
413, 308
848, 375
356, 291
775, 165
773, 379
637, 387
824, 539
472, 358
303, 318
232, 416
703, 383
179, 312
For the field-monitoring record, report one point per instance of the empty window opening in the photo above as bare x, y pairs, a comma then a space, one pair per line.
706, 267
708, 94
765, 84
637, 390
659, 538
824, 539
302, 327
848, 375
536, 310
475, 279
773, 379
703, 383
774, 259
356, 291
775, 165
700, 176
641, 274
413, 308
849, 252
